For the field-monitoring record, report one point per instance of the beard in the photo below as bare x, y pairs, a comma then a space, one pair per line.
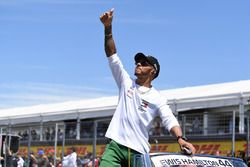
139, 73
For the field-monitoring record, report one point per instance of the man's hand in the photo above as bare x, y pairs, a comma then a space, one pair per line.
106, 18
184, 144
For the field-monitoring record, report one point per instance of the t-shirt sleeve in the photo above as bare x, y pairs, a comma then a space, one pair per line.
118, 71
167, 116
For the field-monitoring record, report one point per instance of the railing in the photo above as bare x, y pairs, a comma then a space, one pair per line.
56, 137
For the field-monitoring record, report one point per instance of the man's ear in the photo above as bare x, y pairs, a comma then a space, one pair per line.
153, 72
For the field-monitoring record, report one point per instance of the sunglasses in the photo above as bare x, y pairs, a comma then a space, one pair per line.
143, 63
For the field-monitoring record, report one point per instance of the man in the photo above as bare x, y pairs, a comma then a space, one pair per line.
20, 161
139, 103
42, 160
70, 160
32, 157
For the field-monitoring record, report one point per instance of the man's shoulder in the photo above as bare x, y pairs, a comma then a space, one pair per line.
154, 92
154, 97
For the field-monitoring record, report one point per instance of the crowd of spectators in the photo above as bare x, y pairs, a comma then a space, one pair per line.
86, 131
46, 159
71, 133
71, 159
48, 134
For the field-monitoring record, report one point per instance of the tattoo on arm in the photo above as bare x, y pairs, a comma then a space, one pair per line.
109, 43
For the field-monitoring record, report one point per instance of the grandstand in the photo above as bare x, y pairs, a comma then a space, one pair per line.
183, 99
214, 117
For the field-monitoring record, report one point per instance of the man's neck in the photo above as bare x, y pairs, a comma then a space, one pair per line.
145, 83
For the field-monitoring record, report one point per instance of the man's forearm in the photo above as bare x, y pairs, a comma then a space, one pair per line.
109, 43
185, 146
176, 131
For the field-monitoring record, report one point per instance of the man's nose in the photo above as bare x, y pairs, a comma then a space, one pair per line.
138, 64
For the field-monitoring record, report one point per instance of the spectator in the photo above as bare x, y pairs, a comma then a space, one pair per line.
90, 164
33, 134
86, 159
217, 153
52, 133
10, 157
12, 160
70, 160
47, 133
58, 162
25, 135
20, 134
50, 156
157, 129
32, 162
41, 160
60, 134
72, 133
196, 125
20, 161
242, 155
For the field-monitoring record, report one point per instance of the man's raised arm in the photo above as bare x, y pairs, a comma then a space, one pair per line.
106, 19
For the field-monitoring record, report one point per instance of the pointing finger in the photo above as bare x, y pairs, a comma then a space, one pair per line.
112, 11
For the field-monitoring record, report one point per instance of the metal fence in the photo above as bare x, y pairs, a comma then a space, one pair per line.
88, 136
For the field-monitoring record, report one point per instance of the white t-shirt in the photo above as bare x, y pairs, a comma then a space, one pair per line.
135, 111
20, 162
70, 160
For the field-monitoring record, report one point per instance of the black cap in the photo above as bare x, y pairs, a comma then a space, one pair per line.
151, 60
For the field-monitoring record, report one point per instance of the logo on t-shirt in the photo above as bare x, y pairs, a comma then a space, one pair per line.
130, 92
144, 105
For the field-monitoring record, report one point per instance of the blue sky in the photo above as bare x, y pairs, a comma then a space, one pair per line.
52, 50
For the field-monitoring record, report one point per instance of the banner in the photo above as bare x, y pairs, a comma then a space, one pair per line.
210, 147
